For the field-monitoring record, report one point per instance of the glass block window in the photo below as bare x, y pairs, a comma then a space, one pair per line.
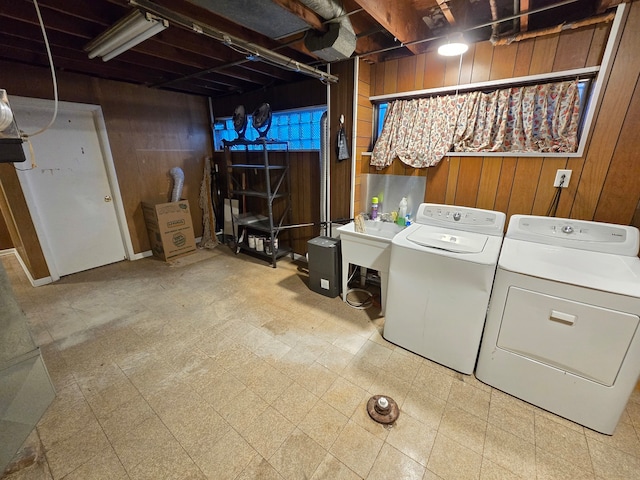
300, 127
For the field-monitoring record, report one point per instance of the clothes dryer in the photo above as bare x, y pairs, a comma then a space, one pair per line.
440, 277
562, 331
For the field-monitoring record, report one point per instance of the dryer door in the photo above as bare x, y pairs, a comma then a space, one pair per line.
582, 339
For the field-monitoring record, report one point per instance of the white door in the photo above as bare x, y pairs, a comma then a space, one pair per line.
69, 188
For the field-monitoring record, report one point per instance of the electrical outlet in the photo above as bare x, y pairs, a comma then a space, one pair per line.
558, 180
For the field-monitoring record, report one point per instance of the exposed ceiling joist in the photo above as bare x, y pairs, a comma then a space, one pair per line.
249, 49
446, 11
180, 59
524, 20
607, 4
400, 19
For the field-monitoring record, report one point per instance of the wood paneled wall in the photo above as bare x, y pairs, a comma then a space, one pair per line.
341, 103
604, 184
5, 236
17, 219
150, 131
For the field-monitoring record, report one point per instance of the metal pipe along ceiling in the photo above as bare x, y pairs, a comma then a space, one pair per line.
257, 52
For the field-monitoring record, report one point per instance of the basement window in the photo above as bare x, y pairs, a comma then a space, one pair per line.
585, 92
299, 127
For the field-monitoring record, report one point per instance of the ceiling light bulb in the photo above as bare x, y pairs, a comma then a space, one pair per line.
452, 49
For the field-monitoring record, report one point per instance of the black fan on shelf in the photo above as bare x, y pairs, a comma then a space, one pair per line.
261, 119
240, 121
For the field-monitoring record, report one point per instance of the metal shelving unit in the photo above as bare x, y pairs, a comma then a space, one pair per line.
276, 185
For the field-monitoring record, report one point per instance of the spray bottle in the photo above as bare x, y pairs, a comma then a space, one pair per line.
402, 211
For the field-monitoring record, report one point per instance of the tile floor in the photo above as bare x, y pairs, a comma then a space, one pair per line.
229, 369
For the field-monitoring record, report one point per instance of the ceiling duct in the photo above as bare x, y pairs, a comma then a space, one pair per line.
339, 42
262, 16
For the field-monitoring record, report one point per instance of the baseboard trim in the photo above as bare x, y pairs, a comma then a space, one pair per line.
141, 255
34, 282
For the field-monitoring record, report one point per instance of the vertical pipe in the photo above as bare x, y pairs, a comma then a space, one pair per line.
324, 166
354, 122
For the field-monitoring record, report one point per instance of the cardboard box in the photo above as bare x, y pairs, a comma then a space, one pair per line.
170, 229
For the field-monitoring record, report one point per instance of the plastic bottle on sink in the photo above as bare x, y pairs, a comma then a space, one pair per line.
402, 211
374, 208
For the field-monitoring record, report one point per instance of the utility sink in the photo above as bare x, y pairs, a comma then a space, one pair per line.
383, 230
370, 249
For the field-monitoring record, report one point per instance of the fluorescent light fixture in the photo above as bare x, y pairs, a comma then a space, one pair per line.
127, 33
455, 46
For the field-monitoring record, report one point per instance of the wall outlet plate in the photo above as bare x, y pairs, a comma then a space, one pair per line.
567, 177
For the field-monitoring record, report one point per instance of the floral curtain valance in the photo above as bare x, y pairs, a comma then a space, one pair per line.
535, 118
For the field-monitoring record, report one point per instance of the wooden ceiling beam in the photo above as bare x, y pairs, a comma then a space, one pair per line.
363, 22
26, 51
53, 20
101, 13
399, 18
604, 5
153, 62
524, 20
191, 50
446, 11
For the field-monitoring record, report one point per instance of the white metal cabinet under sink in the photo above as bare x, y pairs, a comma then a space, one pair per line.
369, 249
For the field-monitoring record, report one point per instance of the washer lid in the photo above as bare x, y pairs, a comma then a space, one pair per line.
451, 241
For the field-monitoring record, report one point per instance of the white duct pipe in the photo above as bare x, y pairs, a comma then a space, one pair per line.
330, 9
178, 183
339, 42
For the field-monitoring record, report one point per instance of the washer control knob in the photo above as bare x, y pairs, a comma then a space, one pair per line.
457, 216
567, 229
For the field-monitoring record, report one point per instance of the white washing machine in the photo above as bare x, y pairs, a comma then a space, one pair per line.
440, 277
562, 329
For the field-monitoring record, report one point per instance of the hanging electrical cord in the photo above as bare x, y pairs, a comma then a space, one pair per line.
26, 136
53, 75
555, 201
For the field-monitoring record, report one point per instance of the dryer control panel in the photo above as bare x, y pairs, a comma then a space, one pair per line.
580, 234
468, 219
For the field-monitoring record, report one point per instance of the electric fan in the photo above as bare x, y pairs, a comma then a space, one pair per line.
261, 119
240, 121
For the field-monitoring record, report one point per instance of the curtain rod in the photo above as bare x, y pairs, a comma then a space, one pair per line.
489, 84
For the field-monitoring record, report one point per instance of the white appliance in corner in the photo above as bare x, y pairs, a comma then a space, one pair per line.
440, 277
563, 330
26, 390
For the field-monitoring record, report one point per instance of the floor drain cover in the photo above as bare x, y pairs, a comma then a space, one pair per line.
383, 409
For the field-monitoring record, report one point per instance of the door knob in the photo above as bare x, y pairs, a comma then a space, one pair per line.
107, 198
